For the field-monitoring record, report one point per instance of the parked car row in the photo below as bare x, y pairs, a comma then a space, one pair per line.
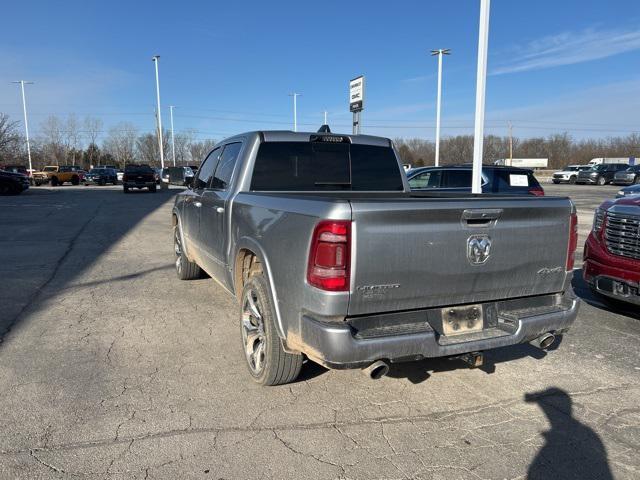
599, 174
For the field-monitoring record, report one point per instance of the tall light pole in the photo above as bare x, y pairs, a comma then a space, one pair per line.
155, 59
26, 122
481, 80
440, 52
295, 110
173, 140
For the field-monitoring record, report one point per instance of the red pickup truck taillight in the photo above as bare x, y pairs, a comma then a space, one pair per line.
573, 241
329, 256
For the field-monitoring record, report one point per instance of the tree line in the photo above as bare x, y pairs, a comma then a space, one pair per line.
71, 141
561, 149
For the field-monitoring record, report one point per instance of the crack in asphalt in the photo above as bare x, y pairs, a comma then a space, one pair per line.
438, 416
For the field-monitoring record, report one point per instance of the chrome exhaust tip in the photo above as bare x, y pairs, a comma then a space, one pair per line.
544, 341
376, 370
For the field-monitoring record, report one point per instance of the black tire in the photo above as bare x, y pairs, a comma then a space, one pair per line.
75, 180
572, 179
125, 189
601, 181
54, 181
153, 189
102, 183
556, 181
185, 269
260, 337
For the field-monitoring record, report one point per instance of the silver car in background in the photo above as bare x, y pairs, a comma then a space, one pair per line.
630, 176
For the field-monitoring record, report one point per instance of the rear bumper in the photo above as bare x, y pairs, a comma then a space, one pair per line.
336, 345
139, 184
587, 180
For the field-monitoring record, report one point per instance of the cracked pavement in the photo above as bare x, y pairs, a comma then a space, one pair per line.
110, 367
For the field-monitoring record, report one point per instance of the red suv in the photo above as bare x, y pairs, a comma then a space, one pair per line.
612, 250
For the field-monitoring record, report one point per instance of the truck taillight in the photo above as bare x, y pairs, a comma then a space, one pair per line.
329, 256
537, 191
573, 241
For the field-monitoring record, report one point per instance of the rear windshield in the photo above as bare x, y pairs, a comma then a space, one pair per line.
510, 180
138, 169
317, 166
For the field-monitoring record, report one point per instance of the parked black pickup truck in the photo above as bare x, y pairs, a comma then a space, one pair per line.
139, 176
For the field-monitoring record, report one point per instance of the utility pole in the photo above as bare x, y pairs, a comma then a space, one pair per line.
510, 144
440, 52
295, 110
481, 80
325, 118
26, 122
173, 140
155, 59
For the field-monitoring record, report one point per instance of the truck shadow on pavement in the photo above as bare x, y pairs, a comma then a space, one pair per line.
49, 238
582, 290
572, 450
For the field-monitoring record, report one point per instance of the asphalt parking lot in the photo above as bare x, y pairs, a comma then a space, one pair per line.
110, 367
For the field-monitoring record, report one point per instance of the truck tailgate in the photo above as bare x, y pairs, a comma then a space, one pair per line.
429, 252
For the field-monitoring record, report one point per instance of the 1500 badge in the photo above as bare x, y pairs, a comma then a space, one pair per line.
376, 291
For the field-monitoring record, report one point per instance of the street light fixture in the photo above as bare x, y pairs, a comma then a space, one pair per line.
440, 52
155, 59
26, 123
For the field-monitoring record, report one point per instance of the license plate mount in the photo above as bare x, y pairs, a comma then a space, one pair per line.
461, 320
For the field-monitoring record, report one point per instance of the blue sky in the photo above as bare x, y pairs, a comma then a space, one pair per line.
228, 66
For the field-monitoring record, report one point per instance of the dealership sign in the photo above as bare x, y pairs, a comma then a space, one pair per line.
356, 94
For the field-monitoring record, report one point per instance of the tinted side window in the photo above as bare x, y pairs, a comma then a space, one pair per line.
374, 168
205, 174
430, 179
225, 167
457, 179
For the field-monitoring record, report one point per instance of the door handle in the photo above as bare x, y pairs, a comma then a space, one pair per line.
219, 209
197, 204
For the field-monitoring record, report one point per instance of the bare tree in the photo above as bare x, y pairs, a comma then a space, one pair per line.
147, 148
92, 129
121, 142
71, 136
53, 144
10, 139
198, 150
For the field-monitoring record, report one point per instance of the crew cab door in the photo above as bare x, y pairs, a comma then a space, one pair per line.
213, 233
193, 203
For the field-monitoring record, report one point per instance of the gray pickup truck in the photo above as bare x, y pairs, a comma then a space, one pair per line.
333, 258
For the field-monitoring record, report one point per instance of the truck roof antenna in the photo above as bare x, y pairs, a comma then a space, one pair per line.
324, 129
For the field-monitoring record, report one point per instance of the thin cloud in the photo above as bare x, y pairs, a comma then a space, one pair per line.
569, 48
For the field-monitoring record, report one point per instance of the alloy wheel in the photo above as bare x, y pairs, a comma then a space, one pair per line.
177, 247
253, 335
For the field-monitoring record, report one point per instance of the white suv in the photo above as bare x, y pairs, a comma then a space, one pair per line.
569, 174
